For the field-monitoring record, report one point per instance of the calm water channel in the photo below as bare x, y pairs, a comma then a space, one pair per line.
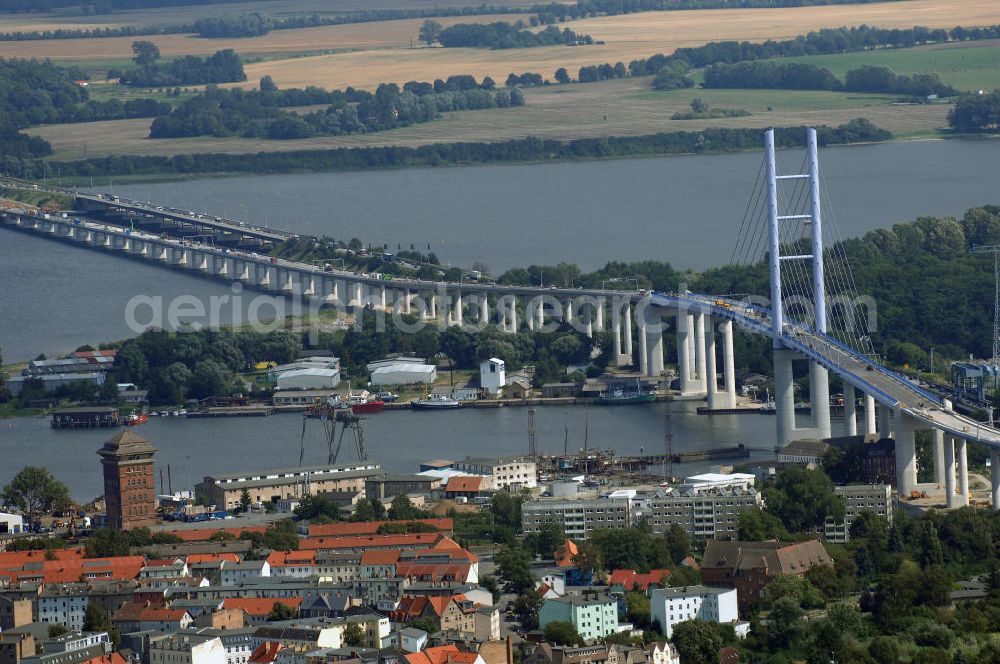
399, 440
685, 210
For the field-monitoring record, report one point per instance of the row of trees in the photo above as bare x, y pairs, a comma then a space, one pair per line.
223, 66
253, 24
233, 112
584, 8
498, 35
807, 76
976, 113
520, 150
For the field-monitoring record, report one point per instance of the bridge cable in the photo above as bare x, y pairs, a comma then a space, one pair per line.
741, 237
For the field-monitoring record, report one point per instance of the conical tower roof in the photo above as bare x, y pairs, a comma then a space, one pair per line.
126, 443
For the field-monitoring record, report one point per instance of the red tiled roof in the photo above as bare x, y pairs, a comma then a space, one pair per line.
332, 543
629, 578
433, 571
371, 527
143, 612
388, 557
73, 570
266, 652
260, 606
166, 562
289, 558
565, 554
18, 558
111, 658
462, 483
212, 557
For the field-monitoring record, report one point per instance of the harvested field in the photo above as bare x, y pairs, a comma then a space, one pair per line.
73, 19
379, 35
628, 37
610, 108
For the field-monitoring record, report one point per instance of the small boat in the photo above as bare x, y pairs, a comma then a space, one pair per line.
136, 418
182, 412
370, 406
387, 397
435, 402
622, 398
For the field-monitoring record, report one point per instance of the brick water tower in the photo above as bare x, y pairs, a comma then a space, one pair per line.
129, 487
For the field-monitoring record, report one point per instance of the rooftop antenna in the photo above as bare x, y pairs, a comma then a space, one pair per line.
532, 442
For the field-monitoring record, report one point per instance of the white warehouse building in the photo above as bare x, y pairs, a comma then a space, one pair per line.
669, 606
308, 379
492, 375
404, 373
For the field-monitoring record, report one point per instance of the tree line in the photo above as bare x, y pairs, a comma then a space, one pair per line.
779, 75
223, 66
501, 35
976, 113
439, 154
583, 8
104, 6
821, 42
235, 112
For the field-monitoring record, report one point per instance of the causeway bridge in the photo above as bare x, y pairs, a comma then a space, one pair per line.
891, 404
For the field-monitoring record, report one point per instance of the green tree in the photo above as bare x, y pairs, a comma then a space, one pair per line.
281, 536
699, 105
885, 650
429, 31
244, 501
562, 633
426, 624
34, 491
526, 606
96, 620
803, 499
267, 84
562, 76
753, 525
57, 630
638, 610
281, 611
506, 510
145, 53
697, 642
107, 543
354, 636
678, 544
514, 567
402, 508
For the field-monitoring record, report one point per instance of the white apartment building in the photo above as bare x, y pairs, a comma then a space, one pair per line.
508, 473
875, 498
576, 517
704, 514
669, 606
65, 604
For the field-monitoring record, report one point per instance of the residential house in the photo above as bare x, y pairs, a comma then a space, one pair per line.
234, 573
750, 566
187, 648
669, 606
257, 610
14, 612
626, 580
594, 616
576, 517
858, 498
139, 617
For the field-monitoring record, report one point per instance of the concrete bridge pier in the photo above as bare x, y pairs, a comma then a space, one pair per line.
181, 257
711, 371
819, 390
629, 348
162, 252
567, 306
784, 396
850, 411
728, 365
963, 472
599, 316
870, 427
454, 309
356, 298
937, 446
700, 361
906, 456
885, 421
264, 277
684, 353
308, 283
655, 343
950, 470
483, 305
640, 321
616, 334
587, 315
381, 298
507, 313
201, 261
220, 267
243, 271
